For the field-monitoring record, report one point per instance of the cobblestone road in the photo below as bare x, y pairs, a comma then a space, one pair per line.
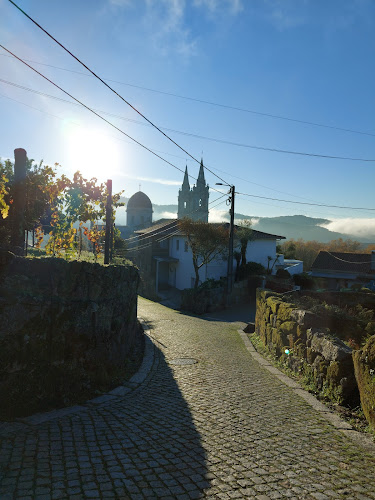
221, 428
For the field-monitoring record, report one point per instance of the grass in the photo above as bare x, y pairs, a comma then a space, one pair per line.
85, 256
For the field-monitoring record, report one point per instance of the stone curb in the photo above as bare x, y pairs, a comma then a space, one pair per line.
127, 387
359, 438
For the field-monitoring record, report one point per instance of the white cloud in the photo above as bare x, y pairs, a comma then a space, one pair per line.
218, 215
168, 215
364, 228
234, 6
154, 180
121, 3
165, 182
167, 21
285, 14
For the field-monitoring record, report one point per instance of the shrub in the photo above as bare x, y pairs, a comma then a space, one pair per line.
250, 269
212, 283
304, 280
282, 274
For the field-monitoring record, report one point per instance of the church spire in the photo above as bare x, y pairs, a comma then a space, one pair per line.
201, 180
185, 184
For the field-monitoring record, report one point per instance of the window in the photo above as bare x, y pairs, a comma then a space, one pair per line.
186, 246
177, 244
184, 204
200, 202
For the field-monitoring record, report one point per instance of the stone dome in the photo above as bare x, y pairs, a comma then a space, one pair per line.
139, 200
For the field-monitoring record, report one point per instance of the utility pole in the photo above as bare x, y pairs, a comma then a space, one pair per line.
231, 240
18, 208
108, 222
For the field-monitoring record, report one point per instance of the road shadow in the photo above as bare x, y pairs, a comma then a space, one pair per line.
244, 313
141, 445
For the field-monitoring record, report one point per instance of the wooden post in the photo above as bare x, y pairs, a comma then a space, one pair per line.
19, 190
108, 223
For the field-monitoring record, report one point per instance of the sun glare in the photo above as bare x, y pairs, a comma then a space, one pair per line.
93, 153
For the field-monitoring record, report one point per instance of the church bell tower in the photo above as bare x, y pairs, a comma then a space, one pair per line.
193, 203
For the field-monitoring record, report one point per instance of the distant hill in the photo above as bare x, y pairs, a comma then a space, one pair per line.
290, 226
300, 226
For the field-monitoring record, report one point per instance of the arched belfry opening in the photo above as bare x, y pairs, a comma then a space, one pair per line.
193, 202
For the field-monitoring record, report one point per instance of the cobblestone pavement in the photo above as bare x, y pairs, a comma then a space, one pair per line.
221, 428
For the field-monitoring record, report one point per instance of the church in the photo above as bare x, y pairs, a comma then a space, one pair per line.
161, 251
192, 203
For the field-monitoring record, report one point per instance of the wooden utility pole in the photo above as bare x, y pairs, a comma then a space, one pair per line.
231, 240
108, 222
17, 239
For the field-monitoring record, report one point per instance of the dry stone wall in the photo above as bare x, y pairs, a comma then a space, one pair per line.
69, 325
364, 365
300, 339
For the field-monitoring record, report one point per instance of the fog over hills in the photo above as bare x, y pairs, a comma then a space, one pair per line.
290, 226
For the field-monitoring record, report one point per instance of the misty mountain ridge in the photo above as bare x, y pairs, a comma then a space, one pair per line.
290, 226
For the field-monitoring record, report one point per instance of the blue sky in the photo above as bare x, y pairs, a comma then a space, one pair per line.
310, 60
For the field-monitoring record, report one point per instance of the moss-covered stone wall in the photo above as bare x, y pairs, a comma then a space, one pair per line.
364, 365
65, 323
301, 340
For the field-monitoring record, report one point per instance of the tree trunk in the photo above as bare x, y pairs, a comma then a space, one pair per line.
196, 269
238, 260
243, 253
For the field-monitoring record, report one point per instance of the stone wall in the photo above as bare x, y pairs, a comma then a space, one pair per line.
364, 365
67, 325
201, 301
299, 338
205, 300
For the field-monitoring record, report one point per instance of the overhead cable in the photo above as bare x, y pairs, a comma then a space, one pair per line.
142, 237
347, 261
211, 103
111, 89
197, 136
164, 237
305, 203
92, 111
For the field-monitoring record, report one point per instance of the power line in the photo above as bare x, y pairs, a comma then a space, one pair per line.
347, 261
110, 88
211, 103
197, 136
94, 112
304, 203
79, 125
244, 194
165, 237
166, 229
163, 152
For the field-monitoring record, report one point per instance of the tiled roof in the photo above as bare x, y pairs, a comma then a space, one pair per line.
343, 261
158, 226
162, 225
259, 235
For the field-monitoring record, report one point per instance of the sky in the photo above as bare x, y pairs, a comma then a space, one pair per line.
304, 60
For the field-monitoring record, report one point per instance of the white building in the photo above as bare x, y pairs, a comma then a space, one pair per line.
165, 257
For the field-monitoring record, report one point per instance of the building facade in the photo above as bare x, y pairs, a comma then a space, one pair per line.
193, 202
138, 211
